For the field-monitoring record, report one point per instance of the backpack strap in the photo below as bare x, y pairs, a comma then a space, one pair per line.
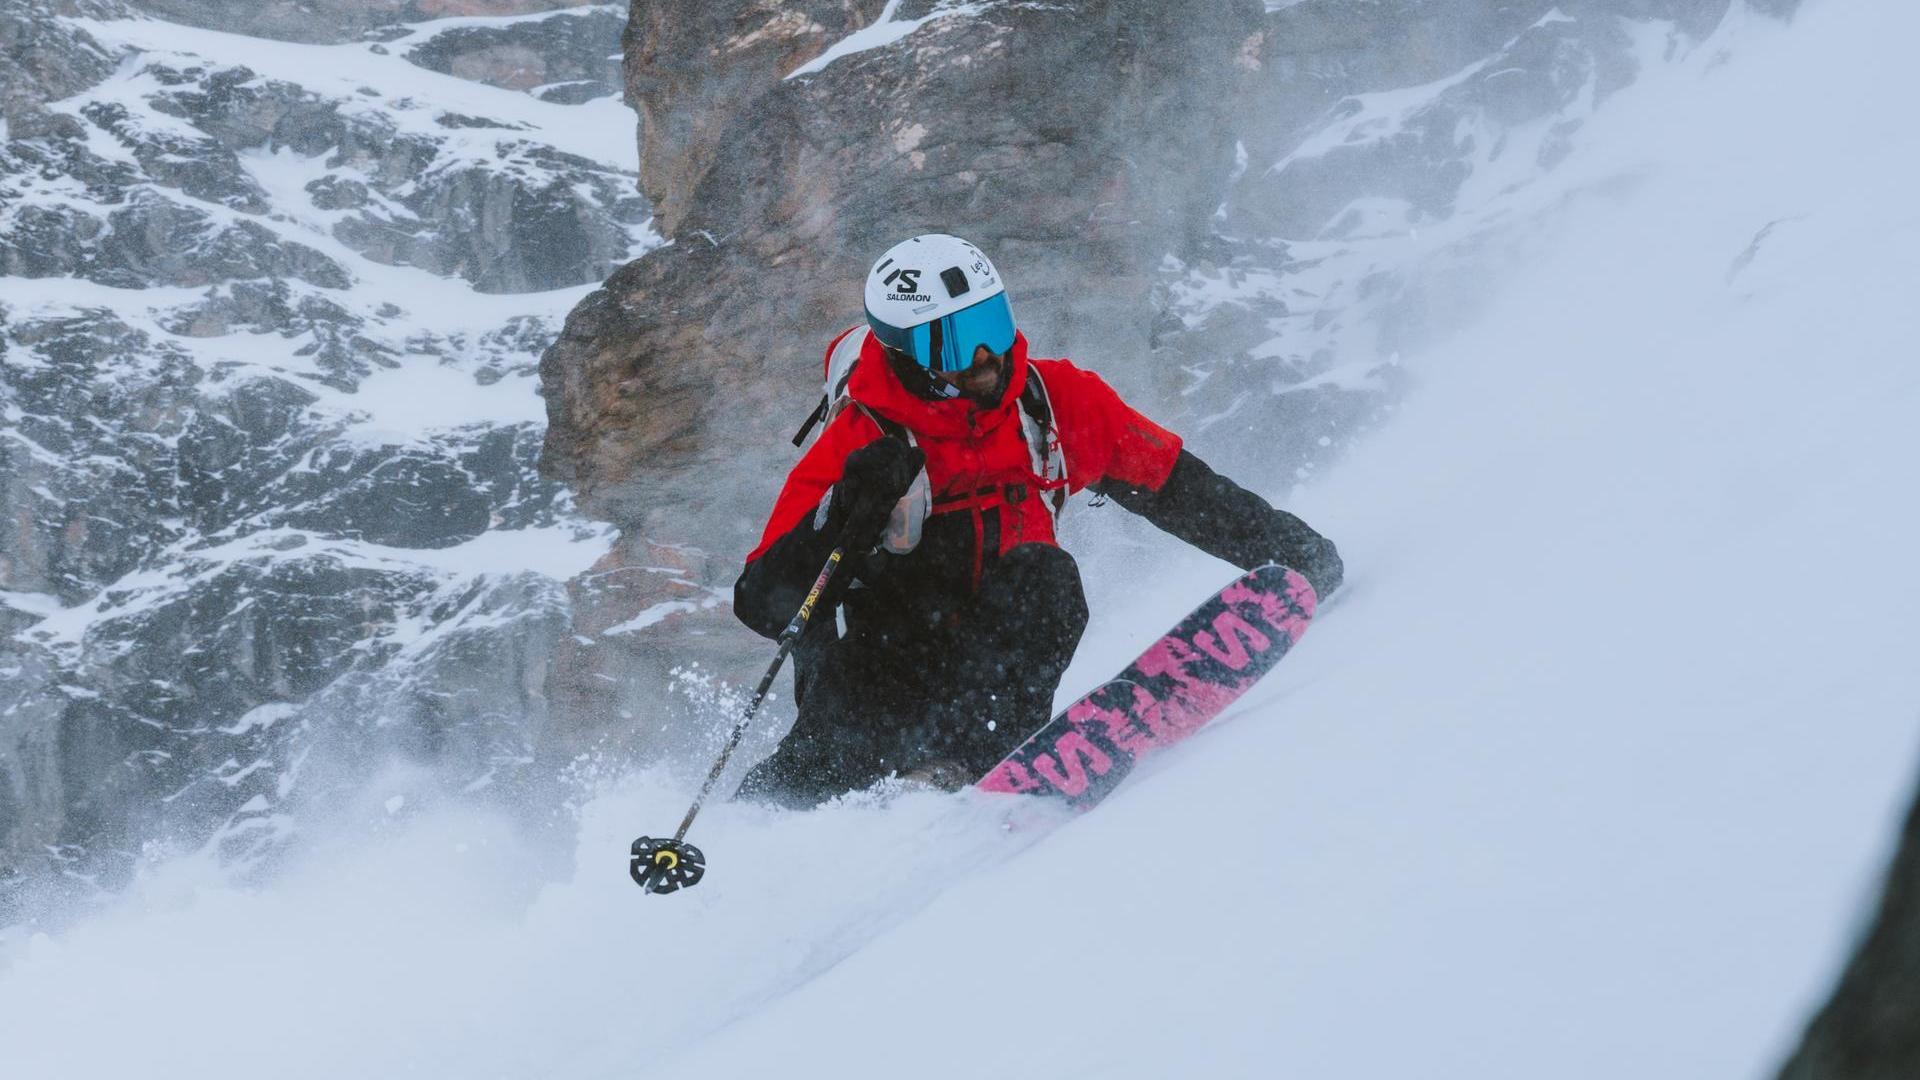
886, 426
841, 357
1043, 441
813, 420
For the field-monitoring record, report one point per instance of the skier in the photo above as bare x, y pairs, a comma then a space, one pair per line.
947, 452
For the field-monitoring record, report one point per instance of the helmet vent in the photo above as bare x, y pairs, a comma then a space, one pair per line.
955, 279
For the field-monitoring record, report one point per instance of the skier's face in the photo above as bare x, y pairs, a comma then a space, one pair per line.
984, 380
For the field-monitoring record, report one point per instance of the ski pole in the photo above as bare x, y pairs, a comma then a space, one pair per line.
663, 866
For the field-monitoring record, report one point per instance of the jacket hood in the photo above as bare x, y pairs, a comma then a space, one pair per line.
874, 385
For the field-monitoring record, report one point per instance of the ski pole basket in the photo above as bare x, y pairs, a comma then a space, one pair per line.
664, 866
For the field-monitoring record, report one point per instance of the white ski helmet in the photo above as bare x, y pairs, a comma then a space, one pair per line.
936, 298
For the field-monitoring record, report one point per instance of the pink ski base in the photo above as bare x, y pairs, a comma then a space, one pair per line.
1199, 668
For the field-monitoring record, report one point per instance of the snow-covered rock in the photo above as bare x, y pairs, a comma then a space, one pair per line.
328, 21
268, 324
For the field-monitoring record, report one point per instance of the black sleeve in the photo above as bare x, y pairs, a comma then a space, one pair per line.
773, 586
1229, 522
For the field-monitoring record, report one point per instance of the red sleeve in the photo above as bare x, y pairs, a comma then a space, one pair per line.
817, 470
1102, 436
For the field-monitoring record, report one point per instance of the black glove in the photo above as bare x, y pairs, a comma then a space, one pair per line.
872, 481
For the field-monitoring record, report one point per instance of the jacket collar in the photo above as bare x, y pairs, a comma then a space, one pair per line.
874, 385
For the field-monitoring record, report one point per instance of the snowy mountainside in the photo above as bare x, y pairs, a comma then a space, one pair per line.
1586, 776
269, 309
268, 322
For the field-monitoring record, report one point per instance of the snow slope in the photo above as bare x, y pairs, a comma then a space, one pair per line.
1589, 775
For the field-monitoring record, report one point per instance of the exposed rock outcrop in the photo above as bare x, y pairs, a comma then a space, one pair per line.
1867, 1029
562, 59
696, 76
331, 20
41, 61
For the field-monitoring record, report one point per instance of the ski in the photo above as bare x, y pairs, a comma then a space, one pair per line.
1182, 681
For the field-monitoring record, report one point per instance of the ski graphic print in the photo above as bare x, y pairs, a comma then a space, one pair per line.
1181, 682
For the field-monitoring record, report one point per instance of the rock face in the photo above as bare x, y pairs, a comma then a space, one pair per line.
1238, 215
559, 59
1867, 1031
43, 62
691, 73
267, 472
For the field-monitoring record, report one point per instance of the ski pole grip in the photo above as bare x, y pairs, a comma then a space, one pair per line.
805, 613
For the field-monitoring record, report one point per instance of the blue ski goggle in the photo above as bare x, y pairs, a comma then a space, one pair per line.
948, 343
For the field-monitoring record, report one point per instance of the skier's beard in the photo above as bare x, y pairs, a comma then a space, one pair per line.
985, 383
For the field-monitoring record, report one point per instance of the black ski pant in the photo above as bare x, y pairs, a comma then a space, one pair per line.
965, 690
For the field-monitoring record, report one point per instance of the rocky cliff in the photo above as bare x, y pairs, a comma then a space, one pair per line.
1868, 1030
268, 323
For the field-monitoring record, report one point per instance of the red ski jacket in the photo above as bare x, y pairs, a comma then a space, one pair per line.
987, 499
977, 458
